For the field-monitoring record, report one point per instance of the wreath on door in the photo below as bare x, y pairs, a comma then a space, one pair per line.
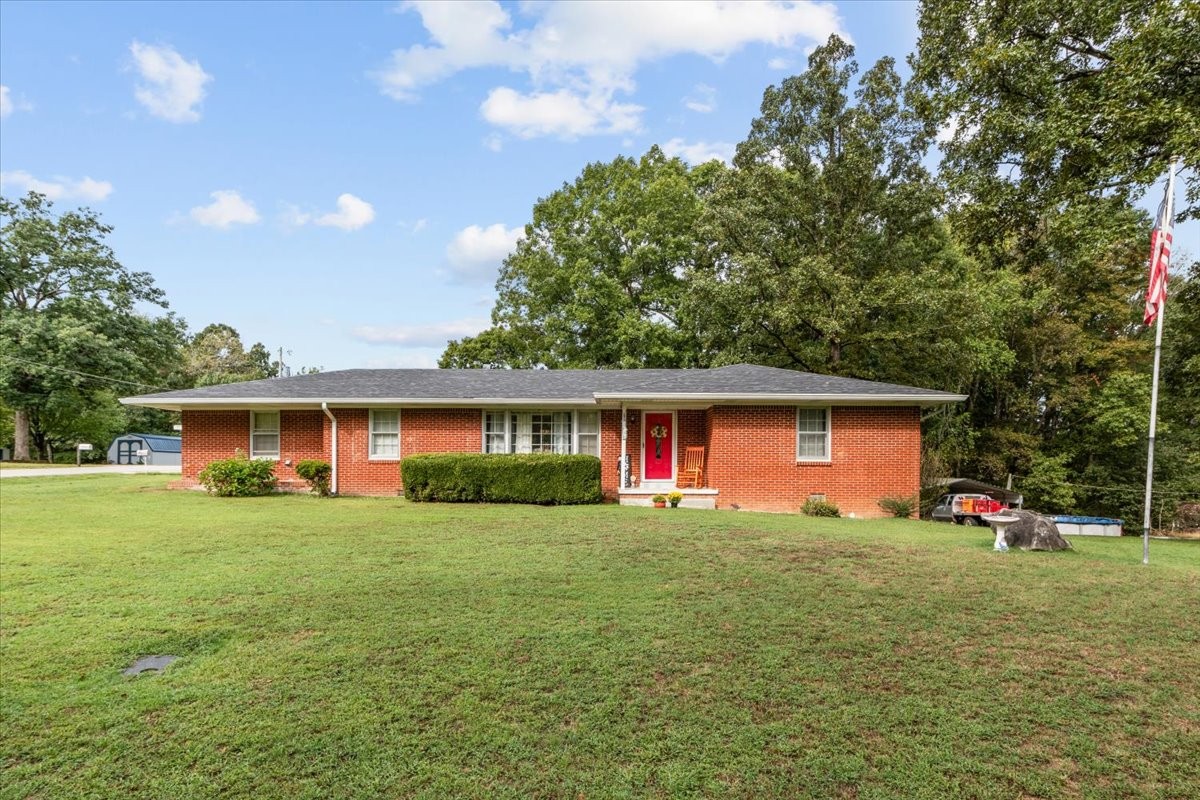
659, 432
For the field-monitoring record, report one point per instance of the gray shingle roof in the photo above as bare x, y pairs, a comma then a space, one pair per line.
743, 381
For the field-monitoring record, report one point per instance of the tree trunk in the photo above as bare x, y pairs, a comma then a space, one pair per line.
20, 435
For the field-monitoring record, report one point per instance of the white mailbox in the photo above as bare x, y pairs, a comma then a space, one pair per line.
143, 453
83, 447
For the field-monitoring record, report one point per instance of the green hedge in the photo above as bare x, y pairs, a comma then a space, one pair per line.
537, 478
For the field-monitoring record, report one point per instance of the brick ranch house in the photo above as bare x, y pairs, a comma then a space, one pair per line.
772, 438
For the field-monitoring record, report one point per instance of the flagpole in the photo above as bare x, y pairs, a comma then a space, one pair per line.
1153, 426
1154, 383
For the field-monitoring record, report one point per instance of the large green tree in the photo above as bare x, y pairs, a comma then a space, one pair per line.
1050, 100
216, 355
828, 251
598, 278
70, 324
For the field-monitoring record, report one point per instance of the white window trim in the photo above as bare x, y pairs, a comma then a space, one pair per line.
507, 413
278, 436
371, 435
828, 436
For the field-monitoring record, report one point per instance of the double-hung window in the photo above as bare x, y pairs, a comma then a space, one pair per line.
587, 433
541, 432
385, 434
264, 434
812, 434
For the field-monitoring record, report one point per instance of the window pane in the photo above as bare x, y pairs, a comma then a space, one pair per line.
812, 445
264, 444
385, 421
266, 421
562, 432
521, 433
494, 443
386, 445
589, 422
589, 443
812, 420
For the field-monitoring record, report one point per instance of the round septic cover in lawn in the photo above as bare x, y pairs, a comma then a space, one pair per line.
150, 664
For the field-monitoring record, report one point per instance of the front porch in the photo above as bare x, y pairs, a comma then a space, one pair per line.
692, 498
660, 449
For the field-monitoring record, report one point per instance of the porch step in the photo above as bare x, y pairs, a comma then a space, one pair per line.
692, 498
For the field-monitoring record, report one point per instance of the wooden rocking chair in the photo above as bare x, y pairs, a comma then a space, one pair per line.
692, 473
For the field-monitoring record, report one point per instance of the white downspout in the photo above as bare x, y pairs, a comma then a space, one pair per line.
624, 448
333, 449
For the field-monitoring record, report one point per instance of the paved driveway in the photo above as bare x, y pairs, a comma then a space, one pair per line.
110, 469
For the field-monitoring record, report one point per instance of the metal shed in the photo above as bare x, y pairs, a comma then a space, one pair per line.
159, 450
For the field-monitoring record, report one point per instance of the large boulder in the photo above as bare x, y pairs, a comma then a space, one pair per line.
1034, 532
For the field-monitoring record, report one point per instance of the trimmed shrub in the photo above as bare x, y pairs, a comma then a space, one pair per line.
317, 473
239, 476
900, 507
820, 508
536, 478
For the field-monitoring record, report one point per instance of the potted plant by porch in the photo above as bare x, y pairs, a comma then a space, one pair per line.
659, 501
674, 498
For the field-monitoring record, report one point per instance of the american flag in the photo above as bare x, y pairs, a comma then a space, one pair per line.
1160, 258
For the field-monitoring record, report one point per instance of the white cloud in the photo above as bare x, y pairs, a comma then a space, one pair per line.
6, 103
562, 113
420, 225
415, 358
352, 213
779, 63
494, 142
577, 56
702, 100
171, 87
58, 188
430, 334
475, 253
228, 208
700, 152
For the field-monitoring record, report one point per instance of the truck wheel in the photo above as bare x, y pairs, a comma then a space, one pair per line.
970, 521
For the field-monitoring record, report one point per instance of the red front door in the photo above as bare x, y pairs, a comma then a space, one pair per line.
659, 447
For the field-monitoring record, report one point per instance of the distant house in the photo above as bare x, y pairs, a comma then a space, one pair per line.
159, 450
770, 438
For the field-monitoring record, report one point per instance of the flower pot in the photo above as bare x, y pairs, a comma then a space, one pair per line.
675, 504
661, 505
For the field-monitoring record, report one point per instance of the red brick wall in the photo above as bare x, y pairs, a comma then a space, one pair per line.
422, 430
876, 453
750, 451
211, 435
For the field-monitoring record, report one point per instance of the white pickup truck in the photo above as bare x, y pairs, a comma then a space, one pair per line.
965, 509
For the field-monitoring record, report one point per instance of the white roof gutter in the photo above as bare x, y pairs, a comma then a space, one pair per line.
791, 397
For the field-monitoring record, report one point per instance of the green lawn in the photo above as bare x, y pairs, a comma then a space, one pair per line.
376, 648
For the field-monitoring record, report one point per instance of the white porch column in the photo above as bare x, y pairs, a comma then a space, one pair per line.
621, 479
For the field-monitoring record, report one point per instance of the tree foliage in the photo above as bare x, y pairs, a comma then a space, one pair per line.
598, 277
830, 255
1053, 100
70, 326
216, 355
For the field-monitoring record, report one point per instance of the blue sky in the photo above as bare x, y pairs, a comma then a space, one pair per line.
343, 179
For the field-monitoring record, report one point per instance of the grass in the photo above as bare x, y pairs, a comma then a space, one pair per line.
376, 648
